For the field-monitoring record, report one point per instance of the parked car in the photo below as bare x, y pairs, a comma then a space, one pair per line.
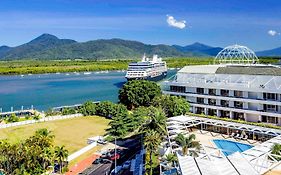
101, 141
101, 160
97, 161
114, 156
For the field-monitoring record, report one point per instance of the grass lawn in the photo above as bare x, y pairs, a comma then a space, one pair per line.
72, 133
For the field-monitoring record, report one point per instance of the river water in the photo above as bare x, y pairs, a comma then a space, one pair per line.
45, 91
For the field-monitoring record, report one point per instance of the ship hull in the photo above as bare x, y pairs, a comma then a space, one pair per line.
156, 78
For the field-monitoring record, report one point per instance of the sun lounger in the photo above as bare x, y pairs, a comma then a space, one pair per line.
237, 136
232, 134
245, 137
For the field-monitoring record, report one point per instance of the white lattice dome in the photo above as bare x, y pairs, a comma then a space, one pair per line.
236, 54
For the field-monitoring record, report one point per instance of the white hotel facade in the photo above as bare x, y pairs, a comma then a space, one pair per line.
236, 87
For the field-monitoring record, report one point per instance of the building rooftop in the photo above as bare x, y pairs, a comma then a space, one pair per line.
257, 69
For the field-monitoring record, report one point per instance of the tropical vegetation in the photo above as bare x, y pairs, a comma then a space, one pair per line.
276, 151
171, 105
31, 156
187, 142
137, 93
32, 66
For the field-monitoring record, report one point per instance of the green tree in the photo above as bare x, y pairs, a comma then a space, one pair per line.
137, 93
187, 142
120, 123
106, 109
88, 108
30, 156
172, 105
61, 155
67, 111
152, 140
156, 121
276, 150
139, 116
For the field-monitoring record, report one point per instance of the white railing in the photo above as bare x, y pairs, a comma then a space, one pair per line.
44, 119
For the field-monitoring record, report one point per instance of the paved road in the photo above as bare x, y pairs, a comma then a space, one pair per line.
102, 169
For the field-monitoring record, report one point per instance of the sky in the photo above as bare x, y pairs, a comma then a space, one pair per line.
253, 23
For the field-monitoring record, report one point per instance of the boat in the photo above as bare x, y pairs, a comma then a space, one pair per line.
147, 69
87, 73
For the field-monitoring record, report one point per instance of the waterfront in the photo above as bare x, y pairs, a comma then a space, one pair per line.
44, 91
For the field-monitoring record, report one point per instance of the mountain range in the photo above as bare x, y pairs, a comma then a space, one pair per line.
48, 47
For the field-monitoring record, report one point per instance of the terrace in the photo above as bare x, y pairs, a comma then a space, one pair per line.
211, 160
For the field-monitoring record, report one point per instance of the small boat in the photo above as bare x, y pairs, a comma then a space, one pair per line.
67, 74
87, 73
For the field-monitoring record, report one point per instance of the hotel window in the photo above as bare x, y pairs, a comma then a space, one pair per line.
177, 89
269, 119
200, 90
270, 96
212, 102
270, 108
200, 100
212, 91
238, 94
224, 92
238, 104
224, 103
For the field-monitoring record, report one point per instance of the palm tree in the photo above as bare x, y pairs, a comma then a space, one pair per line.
187, 142
156, 122
276, 150
61, 155
171, 158
152, 140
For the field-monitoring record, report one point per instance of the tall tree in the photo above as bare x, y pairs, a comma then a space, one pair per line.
61, 155
137, 93
120, 123
187, 142
172, 105
156, 121
152, 140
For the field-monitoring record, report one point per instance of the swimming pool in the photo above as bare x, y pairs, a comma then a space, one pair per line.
230, 147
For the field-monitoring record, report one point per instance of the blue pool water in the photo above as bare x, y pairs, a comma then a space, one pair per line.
230, 147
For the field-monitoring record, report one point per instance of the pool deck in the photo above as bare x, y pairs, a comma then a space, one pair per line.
205, 138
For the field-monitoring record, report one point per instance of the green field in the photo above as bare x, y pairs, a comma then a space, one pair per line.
72, 133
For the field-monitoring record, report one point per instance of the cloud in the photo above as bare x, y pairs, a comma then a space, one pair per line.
174, 23
273, 33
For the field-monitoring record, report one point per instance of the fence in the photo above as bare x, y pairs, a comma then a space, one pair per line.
44, 119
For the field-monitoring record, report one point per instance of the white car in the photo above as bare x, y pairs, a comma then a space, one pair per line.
103, 142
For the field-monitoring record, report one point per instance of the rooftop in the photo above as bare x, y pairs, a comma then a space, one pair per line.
247, 69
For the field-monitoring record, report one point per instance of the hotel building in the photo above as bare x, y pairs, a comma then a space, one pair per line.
236, 87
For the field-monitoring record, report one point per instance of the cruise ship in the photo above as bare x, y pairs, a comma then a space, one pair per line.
148, 69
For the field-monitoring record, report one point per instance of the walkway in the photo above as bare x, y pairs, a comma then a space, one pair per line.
81, 166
